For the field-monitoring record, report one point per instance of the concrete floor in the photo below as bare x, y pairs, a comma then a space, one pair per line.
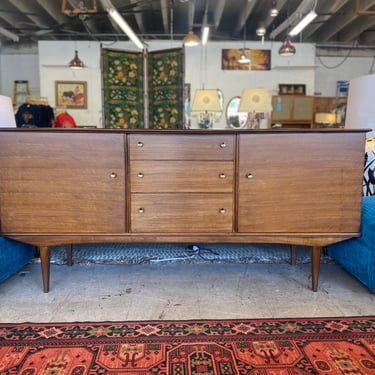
98, 292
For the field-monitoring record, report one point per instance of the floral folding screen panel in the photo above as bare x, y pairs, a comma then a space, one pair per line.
123, 89
166, 84
123, 85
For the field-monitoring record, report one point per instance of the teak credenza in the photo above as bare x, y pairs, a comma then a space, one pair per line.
66, 186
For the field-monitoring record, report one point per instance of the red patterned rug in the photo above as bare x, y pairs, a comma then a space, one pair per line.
205, 347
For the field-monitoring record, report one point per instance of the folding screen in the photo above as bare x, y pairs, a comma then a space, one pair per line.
123, 89
165, 84
124, 76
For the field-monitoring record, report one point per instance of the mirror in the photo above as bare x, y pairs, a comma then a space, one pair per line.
235, 119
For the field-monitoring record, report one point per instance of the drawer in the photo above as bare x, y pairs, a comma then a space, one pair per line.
185, 213
181, 176
181, 147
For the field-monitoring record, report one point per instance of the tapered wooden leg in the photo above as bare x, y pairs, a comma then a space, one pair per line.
69, 254
293, 255
315, 266
45, 257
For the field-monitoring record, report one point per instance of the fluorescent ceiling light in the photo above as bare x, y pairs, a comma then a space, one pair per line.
116, 16
205, 33
303, 23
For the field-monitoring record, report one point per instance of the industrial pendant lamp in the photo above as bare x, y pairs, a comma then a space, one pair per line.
76, 62
287, 48
191, 39
244, 59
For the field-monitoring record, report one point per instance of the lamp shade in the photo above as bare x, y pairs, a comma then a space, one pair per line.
256, 100
206, 101
76, 62
191, 39
287, 49
360, 111
7, 118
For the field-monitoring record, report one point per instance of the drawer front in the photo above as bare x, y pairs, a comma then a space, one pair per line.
181, 176
185, 213
181, 147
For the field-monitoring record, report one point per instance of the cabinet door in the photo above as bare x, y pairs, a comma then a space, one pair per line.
300, 183
63, 182
303, 108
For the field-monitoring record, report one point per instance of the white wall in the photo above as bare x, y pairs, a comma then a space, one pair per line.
203, 67
333, 69
19, 67
54, 58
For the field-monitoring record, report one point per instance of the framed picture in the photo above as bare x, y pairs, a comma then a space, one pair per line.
292, 89
71, 94
258, 59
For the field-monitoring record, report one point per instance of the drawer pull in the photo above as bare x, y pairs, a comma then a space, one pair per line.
141, 210
222, 210
249, 176
222, 175
140, 144
223, 145
113, 175
140, 175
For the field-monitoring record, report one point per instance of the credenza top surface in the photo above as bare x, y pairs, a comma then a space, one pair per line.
188, 131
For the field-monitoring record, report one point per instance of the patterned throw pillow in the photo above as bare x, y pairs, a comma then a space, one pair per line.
369, 172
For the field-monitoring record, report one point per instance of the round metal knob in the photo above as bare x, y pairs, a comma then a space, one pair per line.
249, 176
222, 210
140, 144
113, 175
223, 145
141, 210
140, 175
222, 175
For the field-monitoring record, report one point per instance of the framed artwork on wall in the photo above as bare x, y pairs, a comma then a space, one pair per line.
292, 89
259, 59
71, 94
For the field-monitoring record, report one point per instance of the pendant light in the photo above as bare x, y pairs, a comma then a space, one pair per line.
243, 58
287, 48
274, 11
76, 62
191, 39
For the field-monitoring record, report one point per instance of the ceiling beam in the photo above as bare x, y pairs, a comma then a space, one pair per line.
165, 14
329, 30
218, 12
328, 11
303, 8
139, 19
244, 15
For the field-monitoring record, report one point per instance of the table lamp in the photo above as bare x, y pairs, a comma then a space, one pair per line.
206, 103
327, 118
257, 103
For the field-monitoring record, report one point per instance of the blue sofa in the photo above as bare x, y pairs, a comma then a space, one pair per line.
13, 256
357, 255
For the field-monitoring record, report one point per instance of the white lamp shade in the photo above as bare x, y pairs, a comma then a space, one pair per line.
255, 100
7, 118
360, 113
206, 101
